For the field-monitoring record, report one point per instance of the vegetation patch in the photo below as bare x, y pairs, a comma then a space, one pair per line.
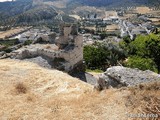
141, 63
143, 52
96, 71
9, 43
102, 55
21, 88
28, 42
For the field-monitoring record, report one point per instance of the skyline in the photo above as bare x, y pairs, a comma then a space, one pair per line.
5, 0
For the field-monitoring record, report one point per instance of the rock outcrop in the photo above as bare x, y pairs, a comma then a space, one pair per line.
119, 76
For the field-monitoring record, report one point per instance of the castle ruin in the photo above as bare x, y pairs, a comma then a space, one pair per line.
64, 52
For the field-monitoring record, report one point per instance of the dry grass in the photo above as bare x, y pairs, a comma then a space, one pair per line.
110, 13
143, 10
53, 95
21, 88
51, 47
48, 47
75, 16
144, 99
10, 32
112, 27
152, 106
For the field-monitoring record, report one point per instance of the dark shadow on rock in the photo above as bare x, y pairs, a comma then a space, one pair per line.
85, 77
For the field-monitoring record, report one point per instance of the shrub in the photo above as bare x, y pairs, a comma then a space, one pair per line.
8, 50
147, 47
141, 63
95, 57
102, 55
21, 88
28, 42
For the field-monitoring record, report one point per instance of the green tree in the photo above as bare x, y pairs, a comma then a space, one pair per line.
95, 57
153, 46
103, 35
138, 46
141, 63
102, 55
125, 45
145, 48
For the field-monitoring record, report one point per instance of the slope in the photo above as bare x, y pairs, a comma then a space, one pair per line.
24, 12
118, 3
28, 91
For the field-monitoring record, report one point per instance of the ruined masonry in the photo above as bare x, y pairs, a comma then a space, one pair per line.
64, 52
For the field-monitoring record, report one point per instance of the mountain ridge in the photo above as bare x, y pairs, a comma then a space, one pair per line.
122, 3
32, 11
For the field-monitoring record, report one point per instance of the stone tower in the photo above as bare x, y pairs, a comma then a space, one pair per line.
67, 34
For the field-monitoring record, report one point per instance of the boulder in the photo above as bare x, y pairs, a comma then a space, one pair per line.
119, 76
102, 83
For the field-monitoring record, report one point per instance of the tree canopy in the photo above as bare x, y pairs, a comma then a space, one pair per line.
143, 52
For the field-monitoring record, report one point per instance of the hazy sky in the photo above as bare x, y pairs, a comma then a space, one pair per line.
4, 0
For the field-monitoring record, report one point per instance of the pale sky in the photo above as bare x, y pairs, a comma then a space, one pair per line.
4, 0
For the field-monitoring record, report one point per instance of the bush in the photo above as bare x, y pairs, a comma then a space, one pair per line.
28, 42
95, 57
9, 43
21, 88
8, 50
102, 55
146, 48
141, 63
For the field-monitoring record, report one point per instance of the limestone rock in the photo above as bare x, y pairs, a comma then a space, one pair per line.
119, 76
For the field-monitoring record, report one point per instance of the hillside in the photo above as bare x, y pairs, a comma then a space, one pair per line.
28, 91
36, 14
8, 9
31, 12
118, 3
24, 12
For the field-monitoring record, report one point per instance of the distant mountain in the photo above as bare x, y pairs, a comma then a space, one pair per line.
34, 11
25, 12
118, 3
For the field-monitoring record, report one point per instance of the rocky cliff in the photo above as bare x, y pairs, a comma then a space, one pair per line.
119, 76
